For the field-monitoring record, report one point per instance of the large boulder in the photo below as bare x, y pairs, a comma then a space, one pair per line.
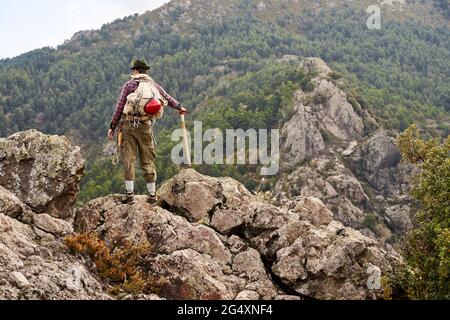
197, 197
43, 171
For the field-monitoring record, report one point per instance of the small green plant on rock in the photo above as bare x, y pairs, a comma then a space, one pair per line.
371, 221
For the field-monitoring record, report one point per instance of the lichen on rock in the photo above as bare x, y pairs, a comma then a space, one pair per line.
43, 171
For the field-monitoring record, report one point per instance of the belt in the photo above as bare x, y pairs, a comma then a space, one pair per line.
137, 119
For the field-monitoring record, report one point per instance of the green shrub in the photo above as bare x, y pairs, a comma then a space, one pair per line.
371, 221
428, 244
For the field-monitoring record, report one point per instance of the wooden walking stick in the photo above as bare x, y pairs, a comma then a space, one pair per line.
186, 144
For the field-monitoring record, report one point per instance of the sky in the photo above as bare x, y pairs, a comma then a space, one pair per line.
26, 25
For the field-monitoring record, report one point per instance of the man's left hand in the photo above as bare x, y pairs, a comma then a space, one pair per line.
111, 134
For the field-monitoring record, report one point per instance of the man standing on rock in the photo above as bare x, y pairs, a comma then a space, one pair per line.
142, 102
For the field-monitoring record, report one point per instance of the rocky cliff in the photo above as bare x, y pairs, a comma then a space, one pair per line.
210, 237
334, 150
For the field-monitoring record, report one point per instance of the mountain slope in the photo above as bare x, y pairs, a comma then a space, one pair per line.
398, 66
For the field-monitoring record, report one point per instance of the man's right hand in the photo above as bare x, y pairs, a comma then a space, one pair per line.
182, 111
111, 134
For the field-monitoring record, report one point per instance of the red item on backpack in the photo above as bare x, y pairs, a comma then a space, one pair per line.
153, 107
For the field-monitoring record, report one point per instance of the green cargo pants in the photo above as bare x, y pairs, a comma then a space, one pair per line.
138, 139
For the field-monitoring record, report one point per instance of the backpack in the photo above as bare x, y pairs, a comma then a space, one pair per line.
145, 92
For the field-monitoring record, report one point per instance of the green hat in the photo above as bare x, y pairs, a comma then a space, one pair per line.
140, 64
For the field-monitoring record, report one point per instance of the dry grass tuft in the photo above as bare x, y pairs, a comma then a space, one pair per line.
120, 267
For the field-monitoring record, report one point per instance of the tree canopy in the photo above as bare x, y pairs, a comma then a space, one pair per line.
428, 245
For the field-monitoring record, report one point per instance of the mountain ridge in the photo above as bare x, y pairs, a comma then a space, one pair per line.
426, 10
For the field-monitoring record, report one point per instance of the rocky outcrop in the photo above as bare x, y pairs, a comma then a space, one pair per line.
196, 261
315, 66
34, 264
335, 113
210, 237
304, 250
333, 149
318, 114
43, 171
326, 178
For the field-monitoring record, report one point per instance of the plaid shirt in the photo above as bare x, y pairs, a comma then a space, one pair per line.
130, 87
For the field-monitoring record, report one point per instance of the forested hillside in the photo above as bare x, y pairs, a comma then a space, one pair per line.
221, 58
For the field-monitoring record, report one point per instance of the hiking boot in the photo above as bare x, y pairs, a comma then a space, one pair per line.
129, 198
152, 199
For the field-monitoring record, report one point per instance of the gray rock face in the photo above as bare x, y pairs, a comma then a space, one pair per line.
197, 197
313, 210
325, 109
315, 65
10, 205
336, 115
328, 111
350, 149
378, 161
333, 149
398, 217
331, 182
301, 136
42, 171
44, 225
48, 224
